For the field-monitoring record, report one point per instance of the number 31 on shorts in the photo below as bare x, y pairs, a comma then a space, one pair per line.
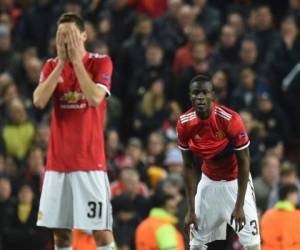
95, 209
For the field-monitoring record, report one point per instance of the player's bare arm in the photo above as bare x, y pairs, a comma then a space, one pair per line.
243, 158
44, 91
190, 178
76, 50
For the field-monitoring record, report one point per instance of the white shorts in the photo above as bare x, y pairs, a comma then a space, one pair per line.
76, 200
214, 204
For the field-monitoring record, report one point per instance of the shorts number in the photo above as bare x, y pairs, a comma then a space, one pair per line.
254, 224
95, 209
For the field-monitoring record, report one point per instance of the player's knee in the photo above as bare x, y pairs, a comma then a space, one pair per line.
62, 237
103, 238
255, 247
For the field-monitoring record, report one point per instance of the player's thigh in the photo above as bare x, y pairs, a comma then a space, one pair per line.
91, 200
208, 209
55, 210
103, 237
249, 235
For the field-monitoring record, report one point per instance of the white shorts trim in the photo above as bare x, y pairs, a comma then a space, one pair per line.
76, 200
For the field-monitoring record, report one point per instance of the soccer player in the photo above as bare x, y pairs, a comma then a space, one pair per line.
224, 194
76, 188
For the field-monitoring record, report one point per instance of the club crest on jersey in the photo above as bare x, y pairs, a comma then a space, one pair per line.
72, 97
220, 135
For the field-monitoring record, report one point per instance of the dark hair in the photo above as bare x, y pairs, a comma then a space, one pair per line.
71, 18
202, 78
287, 189
161, 199
287, 170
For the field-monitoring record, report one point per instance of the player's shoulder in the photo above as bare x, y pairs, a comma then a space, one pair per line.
225, 113
187, 117
51, 61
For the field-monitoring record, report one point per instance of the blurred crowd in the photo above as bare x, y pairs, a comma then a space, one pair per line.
251, 49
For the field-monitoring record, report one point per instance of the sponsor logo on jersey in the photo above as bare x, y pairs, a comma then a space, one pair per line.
72, 97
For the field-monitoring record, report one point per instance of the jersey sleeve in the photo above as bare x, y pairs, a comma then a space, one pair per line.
46, 71
182, 137
103, 72
237, 134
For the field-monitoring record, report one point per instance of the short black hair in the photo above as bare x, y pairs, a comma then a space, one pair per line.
285, 190
70, 17
202, 78
160, 199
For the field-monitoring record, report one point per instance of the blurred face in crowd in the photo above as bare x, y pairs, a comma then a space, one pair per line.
264, 18
5, 42
175, 112
174, 7
247, 120
17, 111
186, 16
265, 104
33, 67
237, 22
295, 4
154, 55
156, 144
228, 36
11, 167
289, 178
289, 28
271, 170
135, 152
5, 189
175, 168
144, 27
200, 51
113, 141
293, 198
119, 4
73, 7
25, 195
36, 161
171, 205
248, 78
219, 80
131, 181
200, 3
10, 93
90, 32
248, 52
196, 34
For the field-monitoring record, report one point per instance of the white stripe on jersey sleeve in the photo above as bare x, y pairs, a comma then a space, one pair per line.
242, 147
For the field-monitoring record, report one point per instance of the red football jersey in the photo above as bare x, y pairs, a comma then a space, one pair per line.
77, 138
214, 140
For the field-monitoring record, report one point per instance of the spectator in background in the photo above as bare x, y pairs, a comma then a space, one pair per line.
35, 170
158, 230
294, 10
184, 54
280, 226
269, 179
245, 94
169, 125
288, 175
221, 84
167, 30
236, 20
265, 34
208, 17
256, 133
273, 118
19, 230
9, 58
42, 136
18, 134
134, 150
5, 203
155, 149
226, 52
153, 8
174, 161
129, 184
151, 111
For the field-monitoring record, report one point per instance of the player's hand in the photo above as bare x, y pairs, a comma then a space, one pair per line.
60, 46
190, 219
238, 216
75, 45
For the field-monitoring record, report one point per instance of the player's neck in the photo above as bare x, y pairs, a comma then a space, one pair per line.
203, 115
